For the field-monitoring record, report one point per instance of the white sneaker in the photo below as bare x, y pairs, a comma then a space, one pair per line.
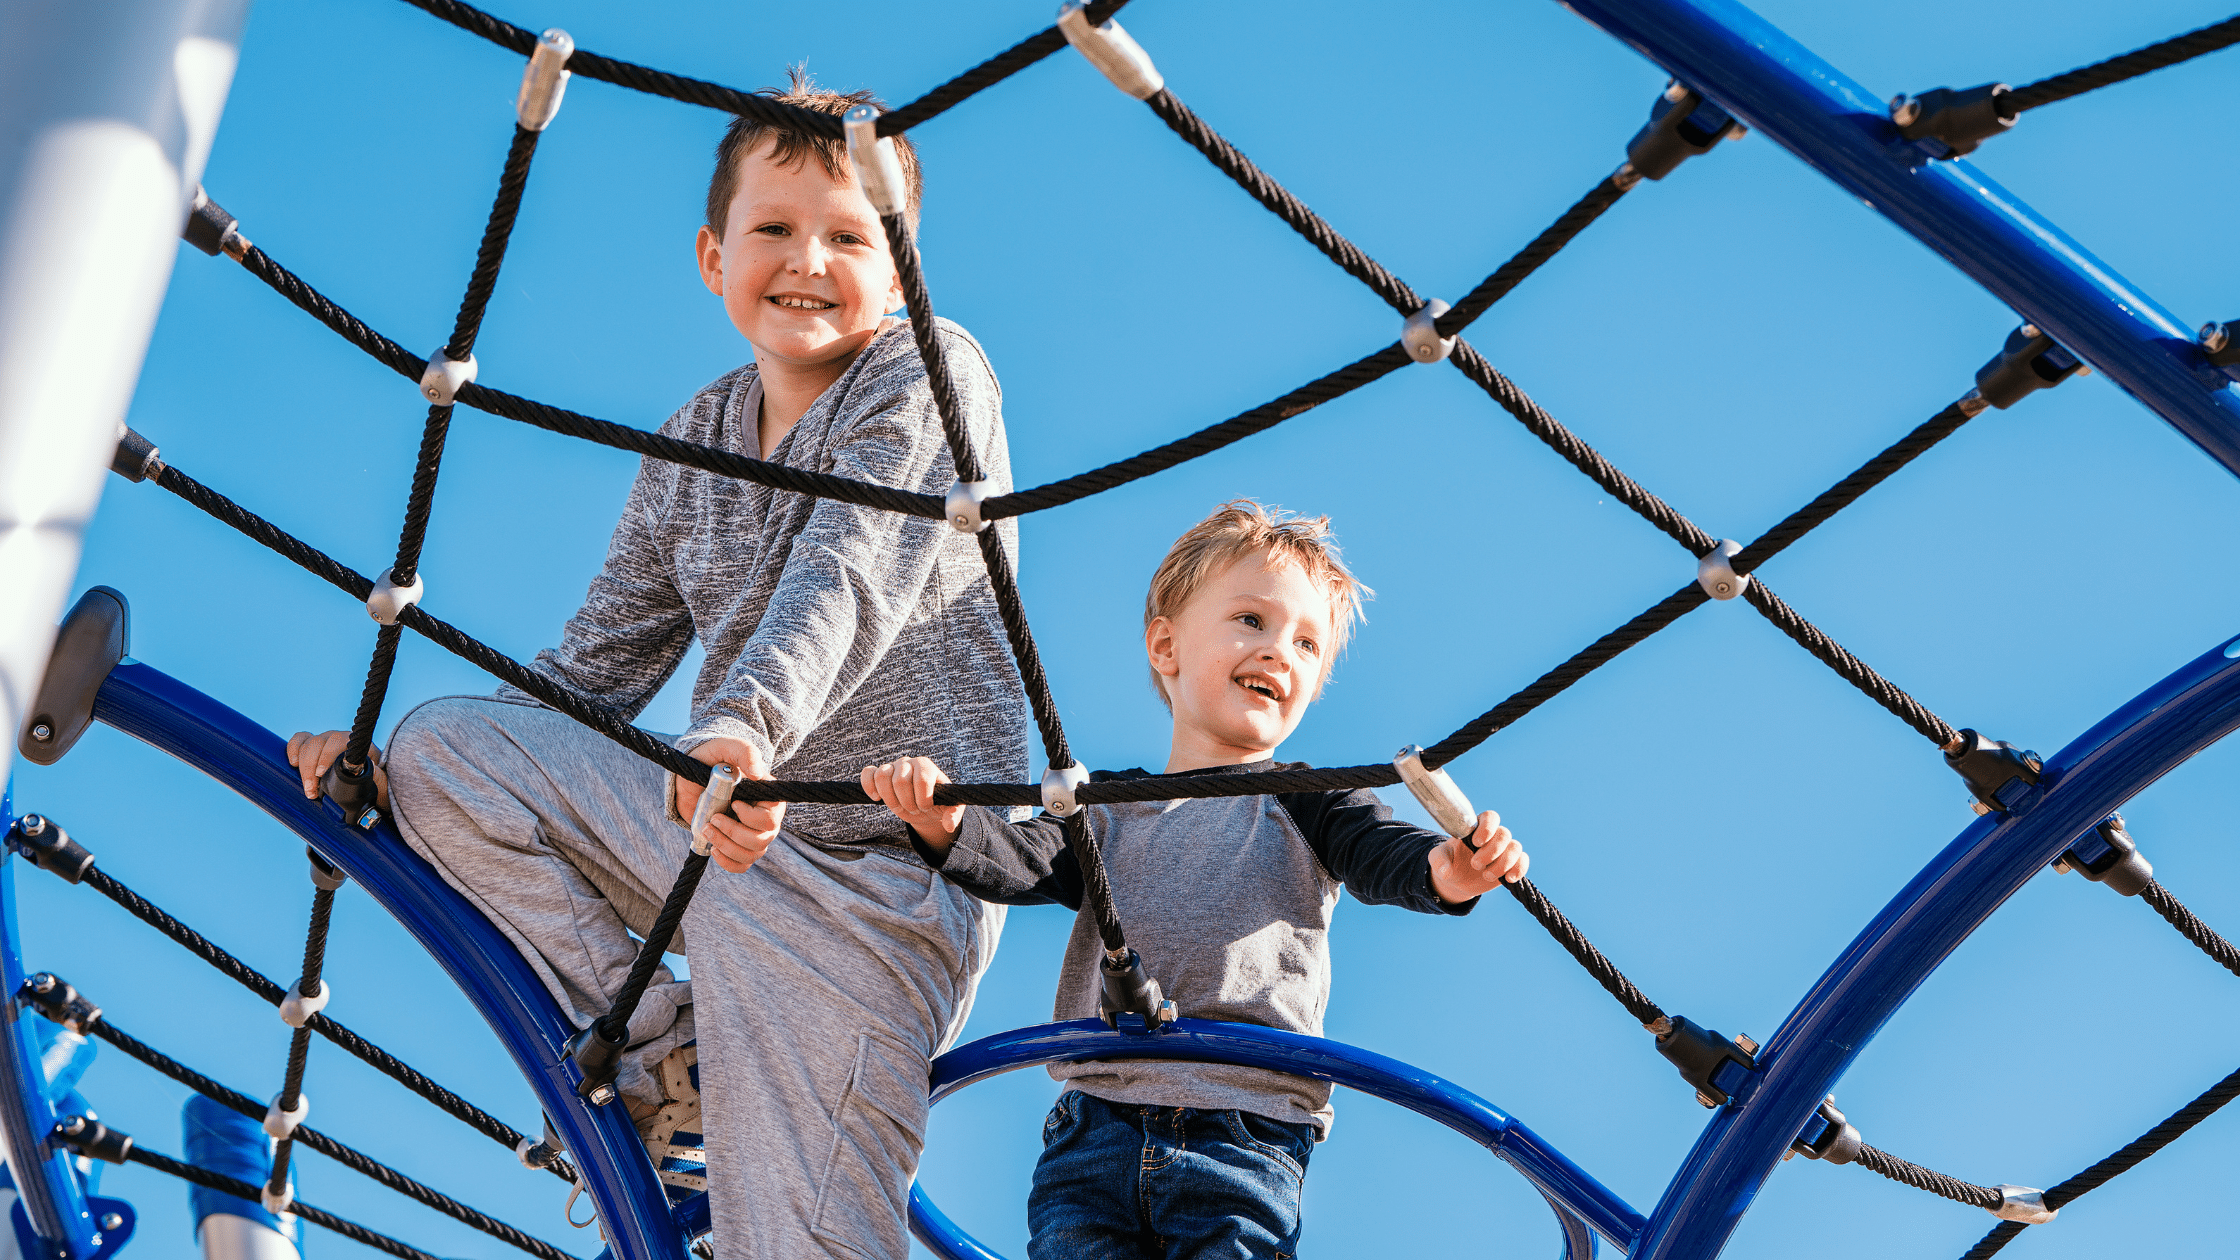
672, 1129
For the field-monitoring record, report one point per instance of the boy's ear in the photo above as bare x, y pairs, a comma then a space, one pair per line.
709, 248
1158, 644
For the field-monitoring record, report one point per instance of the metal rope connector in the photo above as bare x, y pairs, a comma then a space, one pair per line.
715, 799
279, 1202
354, 789
2108, 855
1111, 50
1997, 772
137, 458
389, 600
44, 844
296, 1010
600, 1061
1826, 1135
1717, 1066
537, 1154
1715, 571
1421, 336
1129, 991
1435, 790
445, 376
2025, 1204
93, 1139
2221, 344
2028, 362
1948, 123
1682, 125
325, 875
963, 506
877, 165
1059, 783
52, 996
282, 1124
544, 81
210, 229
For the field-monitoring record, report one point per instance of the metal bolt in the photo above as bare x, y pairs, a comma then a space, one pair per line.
2215, 337
603, 1095
1705, 1099
1903, 110
1675, 92
74, 1126
1748, 1046
2029, 330
112, 1220
33, 824
42, 983
41, 732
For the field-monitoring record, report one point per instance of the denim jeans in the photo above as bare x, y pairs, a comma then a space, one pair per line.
1118, 1181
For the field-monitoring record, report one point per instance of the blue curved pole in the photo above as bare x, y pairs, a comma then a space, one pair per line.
1842, 130
1569, 1189
145, 702
1958, 890
53, 1203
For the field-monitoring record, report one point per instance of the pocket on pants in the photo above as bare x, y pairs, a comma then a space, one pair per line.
878, 1129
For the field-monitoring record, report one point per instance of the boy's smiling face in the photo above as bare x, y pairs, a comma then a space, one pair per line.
1241, 660
802, 266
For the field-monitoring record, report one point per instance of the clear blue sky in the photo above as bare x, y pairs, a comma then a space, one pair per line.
1718, 811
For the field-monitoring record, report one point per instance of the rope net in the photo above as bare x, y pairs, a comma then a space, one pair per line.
1651, 155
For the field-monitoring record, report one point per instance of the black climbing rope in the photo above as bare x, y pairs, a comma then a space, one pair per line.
1936, 1183
2128, 66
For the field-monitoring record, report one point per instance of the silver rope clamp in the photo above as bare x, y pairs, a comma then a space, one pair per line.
282, 1124
1111, 50
878, 167
714, 799
963, 506
389, 600
1421, 336
544, 81
1715, 572
1435, 790
2025, 1204
281, 1204
445, 377
1059, 783
296, 1010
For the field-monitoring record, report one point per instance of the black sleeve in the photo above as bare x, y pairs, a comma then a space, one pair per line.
1381, 860
1013, 864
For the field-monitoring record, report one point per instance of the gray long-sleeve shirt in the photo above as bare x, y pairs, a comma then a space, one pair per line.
1228, 900
836, 635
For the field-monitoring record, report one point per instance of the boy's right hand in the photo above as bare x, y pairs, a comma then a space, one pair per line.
906, 787
311, 755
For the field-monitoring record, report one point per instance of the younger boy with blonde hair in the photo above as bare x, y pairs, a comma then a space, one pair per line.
1228, 899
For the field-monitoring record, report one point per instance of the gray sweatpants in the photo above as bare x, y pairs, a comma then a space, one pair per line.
823, 979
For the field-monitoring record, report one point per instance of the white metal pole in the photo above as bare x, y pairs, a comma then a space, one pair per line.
107, 111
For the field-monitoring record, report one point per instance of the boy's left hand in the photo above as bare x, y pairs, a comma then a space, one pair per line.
1457, 874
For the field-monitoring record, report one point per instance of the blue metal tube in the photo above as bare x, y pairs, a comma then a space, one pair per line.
1841, 129
1976, 873
1566, 1185
51, 1198
149, 704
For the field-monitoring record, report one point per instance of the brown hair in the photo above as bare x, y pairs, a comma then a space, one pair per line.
794, 147
1240, 528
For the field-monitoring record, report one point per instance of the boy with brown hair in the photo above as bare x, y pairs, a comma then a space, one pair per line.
1228, 899
824, 980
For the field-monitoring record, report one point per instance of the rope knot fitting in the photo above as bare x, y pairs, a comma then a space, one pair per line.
44, 844
136, 458
1718, 1066
2025, 1204
877, 165
1946, 123
1997, 772
445, 376
283, 1124
389, 600
599, 1059
1435, 790
1111, 50
2108, 855
1682, 125
53, 997
93, 1139
354, 790
325, 875
1059, 783
715, 798
963, 506
1421, 333
544, 81
1715, 571
1128, 990
210, 229
2028, 362
1826, 1135
279, 1202
296, 1010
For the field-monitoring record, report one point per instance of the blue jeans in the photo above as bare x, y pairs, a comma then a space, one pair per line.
1119, 1181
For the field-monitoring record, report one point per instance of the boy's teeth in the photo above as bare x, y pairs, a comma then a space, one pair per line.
806, 304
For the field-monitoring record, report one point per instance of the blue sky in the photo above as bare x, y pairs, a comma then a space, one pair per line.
1717, 810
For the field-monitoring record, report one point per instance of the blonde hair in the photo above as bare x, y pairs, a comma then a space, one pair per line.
1241, 528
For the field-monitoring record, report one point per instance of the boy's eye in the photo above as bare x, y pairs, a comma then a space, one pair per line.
773, 229
846, 238
1307, 646
1250, 619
